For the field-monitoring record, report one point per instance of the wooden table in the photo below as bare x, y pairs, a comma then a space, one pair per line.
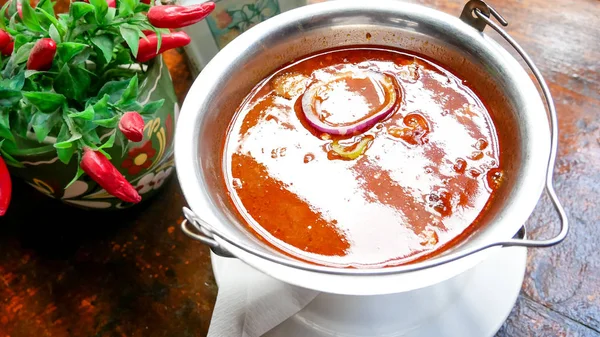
66, 272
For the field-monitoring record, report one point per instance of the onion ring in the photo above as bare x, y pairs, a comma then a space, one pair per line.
317, 93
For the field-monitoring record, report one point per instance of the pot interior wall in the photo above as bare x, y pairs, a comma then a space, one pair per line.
439, 42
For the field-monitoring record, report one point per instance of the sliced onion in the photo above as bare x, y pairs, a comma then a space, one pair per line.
352, 151
384, 84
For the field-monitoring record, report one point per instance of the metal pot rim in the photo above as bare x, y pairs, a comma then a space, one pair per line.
360, 281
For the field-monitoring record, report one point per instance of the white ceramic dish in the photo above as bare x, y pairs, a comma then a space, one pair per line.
472, 304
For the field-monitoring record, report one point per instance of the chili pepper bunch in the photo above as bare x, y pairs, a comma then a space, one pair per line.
72, 78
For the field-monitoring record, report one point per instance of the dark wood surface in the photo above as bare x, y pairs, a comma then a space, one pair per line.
66, 272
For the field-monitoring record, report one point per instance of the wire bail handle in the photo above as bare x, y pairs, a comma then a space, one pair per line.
477, 14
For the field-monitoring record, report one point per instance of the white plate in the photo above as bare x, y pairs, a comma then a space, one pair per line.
473, 304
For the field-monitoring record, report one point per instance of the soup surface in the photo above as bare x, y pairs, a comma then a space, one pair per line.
389, 159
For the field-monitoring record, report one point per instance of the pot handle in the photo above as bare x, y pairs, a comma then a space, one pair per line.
203, 234
477, 14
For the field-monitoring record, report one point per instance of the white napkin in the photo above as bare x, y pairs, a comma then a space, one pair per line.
250, 303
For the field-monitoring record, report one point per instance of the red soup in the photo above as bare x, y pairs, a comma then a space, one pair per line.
361, 157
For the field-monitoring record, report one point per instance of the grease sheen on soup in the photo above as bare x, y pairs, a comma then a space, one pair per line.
410, 186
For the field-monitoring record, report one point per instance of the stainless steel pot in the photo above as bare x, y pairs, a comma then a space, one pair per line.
512, 98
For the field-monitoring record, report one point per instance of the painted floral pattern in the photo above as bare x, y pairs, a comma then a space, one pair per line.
152, 181
139, 158
233, 17
223, 19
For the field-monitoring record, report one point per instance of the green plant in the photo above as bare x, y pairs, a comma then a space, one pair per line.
91, 83
67, 79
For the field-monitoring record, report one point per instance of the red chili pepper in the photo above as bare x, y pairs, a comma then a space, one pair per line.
102, 171
4, 39
42, 55
132, 126
173, 16
5, 187
7, 51
110, 3
147, 46
147, 2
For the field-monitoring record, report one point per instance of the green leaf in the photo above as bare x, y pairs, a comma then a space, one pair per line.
67, 50
80, 29
43, 123
64, 17
54, 34
124, 142
141, 18
10, 160
81, 57
152, 107
87, 114
79, 9
92, 135
126, 8
14, 83
46, 5
4, 10
114, 89
123, 57
101, 8
131, 36
43, 14
110, 16
38, 80
105, 44
131, 106
158, 39
29, 18
20, 123
64, 154
131, 92
63, 22
46, 102
101, 107
12, 9
142, 7
77, 175
29, 73
8, 97
73, 82
67, 144
110, 123
108, 156
87, 126
5, 127
20, 40
22, 53
110, 142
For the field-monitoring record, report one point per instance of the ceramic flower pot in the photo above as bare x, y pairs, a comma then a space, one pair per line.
144, 164
229, 19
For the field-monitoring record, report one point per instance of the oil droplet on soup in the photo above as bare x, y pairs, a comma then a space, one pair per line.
408, 187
